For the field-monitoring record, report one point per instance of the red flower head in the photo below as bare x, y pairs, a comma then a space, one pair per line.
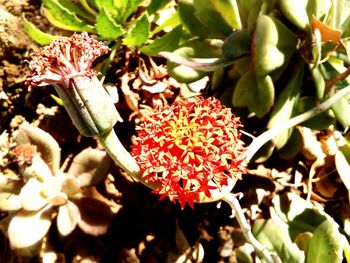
190, 149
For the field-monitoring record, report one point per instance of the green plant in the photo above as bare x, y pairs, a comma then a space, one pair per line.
133, 23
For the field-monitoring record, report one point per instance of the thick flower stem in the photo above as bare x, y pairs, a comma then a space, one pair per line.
259, 141
121, 156
261, 251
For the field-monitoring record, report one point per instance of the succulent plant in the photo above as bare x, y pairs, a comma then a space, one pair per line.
44, 191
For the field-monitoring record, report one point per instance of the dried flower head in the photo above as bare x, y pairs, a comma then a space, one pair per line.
65, 58
24, 154
67, 64
190, 148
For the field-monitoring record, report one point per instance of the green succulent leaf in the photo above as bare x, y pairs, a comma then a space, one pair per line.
195, 49
126, 8
341, 111
139, 34
155, 5
28, 228
191, 23
296, 214
273, 45
110, 8
106, 26
276, 238
76, 9
292, 147
219, 15
300, 12
236, 46
62, 17
320, 121
342, 162
327, 244
255, 92
285, 105
168, 42
36, 34
87, 7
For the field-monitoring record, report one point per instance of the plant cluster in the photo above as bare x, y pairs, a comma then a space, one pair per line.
283, 64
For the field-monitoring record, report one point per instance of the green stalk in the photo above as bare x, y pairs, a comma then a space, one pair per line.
122, 157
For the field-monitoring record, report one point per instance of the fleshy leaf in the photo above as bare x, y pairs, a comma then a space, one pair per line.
256, 93
342, 163
168, 42
191, 23
285, 105
320, 121
126, 8
61, 17
341, 111
197, 50
76, 9
327, 244
155, 5
276, 238
28, 228
67, 218
90, 166
219, 16
45, 143
36, 34
273, 45
139, 34
106, 26
9, 202
31, 196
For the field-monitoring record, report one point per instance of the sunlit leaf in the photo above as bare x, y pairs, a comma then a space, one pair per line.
9, 202
106, 26
67, 218
342, 163
31, 197
126, 8
77, 10
276, 238
139, 34
36, 34
273, 45
155, 5
61, 17
285, 104
28, 228
327, 244
168, 42
256, 93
